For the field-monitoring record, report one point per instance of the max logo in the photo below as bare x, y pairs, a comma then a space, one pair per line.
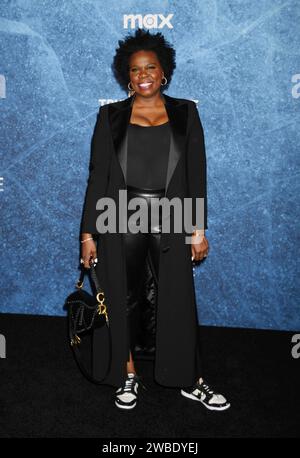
296, 348
149, 21
2, 346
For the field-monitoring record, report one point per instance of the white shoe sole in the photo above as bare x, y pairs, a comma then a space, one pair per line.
194, 398
125, 407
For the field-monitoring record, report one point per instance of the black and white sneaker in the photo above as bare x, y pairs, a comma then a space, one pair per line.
203, 393
126, 396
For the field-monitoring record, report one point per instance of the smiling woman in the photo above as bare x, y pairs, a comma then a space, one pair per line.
161, 58
146, 76
166, 158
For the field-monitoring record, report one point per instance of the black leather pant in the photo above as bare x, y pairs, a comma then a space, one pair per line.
137, 247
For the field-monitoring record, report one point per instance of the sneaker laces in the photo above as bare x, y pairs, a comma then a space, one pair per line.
206, 388
131, 380
209, 393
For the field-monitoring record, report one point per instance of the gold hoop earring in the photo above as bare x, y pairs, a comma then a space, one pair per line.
165, 82
131, 90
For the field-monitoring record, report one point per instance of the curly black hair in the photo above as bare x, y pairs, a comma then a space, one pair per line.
143, 40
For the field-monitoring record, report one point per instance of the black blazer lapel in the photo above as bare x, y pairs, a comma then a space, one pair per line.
119, 116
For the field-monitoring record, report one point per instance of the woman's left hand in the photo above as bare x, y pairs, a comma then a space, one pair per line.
199, 247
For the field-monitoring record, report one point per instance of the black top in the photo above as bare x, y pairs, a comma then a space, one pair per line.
147, 155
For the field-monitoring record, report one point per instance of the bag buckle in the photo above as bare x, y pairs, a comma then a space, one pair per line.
101, 306
76, 340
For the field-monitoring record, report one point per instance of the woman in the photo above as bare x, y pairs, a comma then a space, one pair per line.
152, 146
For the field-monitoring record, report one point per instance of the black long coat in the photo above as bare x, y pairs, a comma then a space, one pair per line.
177, 356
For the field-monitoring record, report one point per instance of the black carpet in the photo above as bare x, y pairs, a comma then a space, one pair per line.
43, 394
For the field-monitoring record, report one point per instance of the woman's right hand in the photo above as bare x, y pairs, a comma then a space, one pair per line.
88, 252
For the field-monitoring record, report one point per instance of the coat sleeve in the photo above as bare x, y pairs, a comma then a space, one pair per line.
196, 164
98, 172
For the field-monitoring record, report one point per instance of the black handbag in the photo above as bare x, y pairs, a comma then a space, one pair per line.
87, 314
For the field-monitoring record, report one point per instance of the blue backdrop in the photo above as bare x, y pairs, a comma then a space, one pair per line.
239, 60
